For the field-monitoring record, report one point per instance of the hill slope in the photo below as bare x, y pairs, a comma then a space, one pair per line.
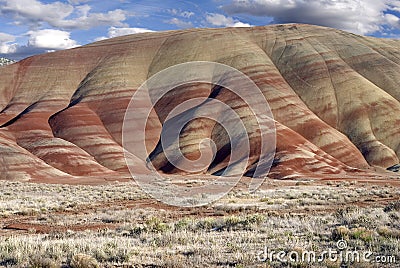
334, 95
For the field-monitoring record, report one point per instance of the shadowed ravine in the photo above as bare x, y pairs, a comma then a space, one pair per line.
334, 95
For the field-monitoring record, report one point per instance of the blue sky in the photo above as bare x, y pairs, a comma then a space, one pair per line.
31, 27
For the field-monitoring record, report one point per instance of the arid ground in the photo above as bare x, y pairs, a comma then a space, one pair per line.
117, 225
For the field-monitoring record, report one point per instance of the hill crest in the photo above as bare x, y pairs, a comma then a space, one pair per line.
334, 96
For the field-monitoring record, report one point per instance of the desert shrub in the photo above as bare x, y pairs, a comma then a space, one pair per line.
244, 222
388, 232
361, 233
255, 219
206, 224
182, 224
39, 261
231, 222
83, 261
156, 225
340, 232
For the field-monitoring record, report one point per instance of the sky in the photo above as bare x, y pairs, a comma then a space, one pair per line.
29, 27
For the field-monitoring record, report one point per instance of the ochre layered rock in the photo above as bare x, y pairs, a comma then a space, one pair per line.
335, 99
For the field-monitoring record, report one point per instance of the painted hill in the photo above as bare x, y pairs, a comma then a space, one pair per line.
334, 95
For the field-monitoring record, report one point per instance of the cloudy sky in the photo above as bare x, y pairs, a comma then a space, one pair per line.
29, 27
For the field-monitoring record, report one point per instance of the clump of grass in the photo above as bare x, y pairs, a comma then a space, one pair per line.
206, 224
340, 232
39, 261
231, 223
155, 224
388, 232
83, 261
361, 233
151, 225
183, 224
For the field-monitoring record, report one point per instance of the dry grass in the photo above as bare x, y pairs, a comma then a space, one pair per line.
31, 199
290, 218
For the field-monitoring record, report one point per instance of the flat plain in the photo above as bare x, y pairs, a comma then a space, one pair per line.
117, 225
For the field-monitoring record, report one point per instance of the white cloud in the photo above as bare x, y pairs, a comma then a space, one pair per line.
185, 14
51, 39
77, 2
61, 15
101, 38
6, 43
6, 38
224, 21
39, 41
115, 32
90, 20
179, 23
362, 17
83, 10
8, 48
35, 12
392, 20
394, 5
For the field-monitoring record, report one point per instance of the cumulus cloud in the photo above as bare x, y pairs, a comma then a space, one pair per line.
87, 21
6, 43
362, 17
34, 12
115, 32
179, 23
60, 15
39, 41
223, 21
51, 39
392, 20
